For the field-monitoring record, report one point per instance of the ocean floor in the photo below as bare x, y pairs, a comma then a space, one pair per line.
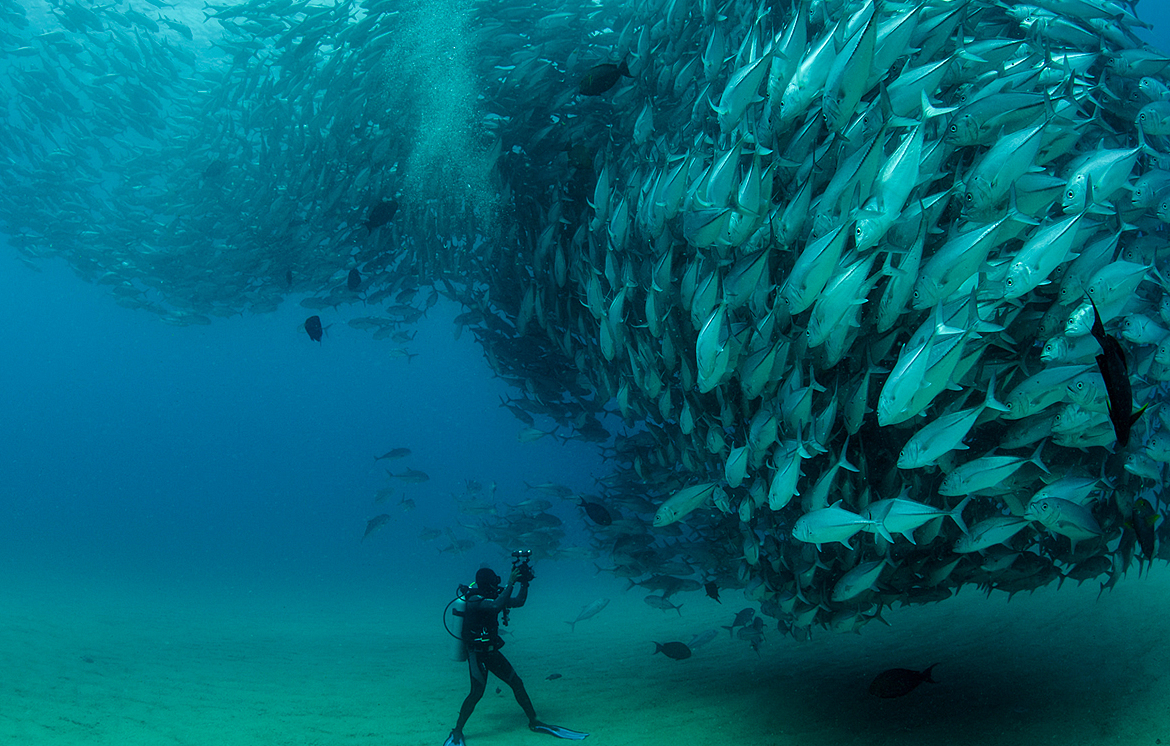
113, 662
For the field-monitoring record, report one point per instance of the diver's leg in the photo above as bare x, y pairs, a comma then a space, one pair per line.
500, 666
478, 668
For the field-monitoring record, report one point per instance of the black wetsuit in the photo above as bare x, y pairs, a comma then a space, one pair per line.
481, 635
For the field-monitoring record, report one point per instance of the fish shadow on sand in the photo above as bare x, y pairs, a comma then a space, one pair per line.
1000, 699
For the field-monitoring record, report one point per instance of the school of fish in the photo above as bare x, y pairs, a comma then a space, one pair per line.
877, 289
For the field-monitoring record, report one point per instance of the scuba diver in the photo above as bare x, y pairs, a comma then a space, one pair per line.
478, 609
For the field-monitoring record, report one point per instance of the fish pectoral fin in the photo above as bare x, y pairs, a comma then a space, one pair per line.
1133, 418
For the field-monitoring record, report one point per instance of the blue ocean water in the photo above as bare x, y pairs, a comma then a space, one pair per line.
243, 447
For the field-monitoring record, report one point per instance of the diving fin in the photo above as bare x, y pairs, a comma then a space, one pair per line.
455, 739
558, 731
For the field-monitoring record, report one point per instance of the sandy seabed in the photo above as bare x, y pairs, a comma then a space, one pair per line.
107, 661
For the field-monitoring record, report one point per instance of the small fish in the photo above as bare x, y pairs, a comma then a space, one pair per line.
661, 602
600, 78
712, 591
702, 639
380, 214
551, 489
597, 512
411, 476
898, 682
743, 618
395, 453
1143, 521
753, 633
533, 434
552, 677
587, 611
430, 534
375, 523
313, 328
676, 650
406, 504
353, 281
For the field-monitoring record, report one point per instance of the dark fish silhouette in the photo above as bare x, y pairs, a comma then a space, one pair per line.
375, 523
677, 650
411, 476
1143, 521
898, 682
354, 280
552, 677
393, 454
380, 214
313, 328
600, 78
1115, 373
741, 619
597, 513
712, 591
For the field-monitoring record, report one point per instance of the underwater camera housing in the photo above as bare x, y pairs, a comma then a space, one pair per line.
520, 561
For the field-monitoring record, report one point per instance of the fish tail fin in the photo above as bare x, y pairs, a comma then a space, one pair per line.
844, 459
730, 632
678, 609
957, 515
1014, 211
1036, 457
929, 111
882, 531
926, 674
1133, 418
991, 402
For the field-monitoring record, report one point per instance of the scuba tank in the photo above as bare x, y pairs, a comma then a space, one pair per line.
457, 607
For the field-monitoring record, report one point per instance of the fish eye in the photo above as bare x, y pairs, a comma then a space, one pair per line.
1070, 194
970, 197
